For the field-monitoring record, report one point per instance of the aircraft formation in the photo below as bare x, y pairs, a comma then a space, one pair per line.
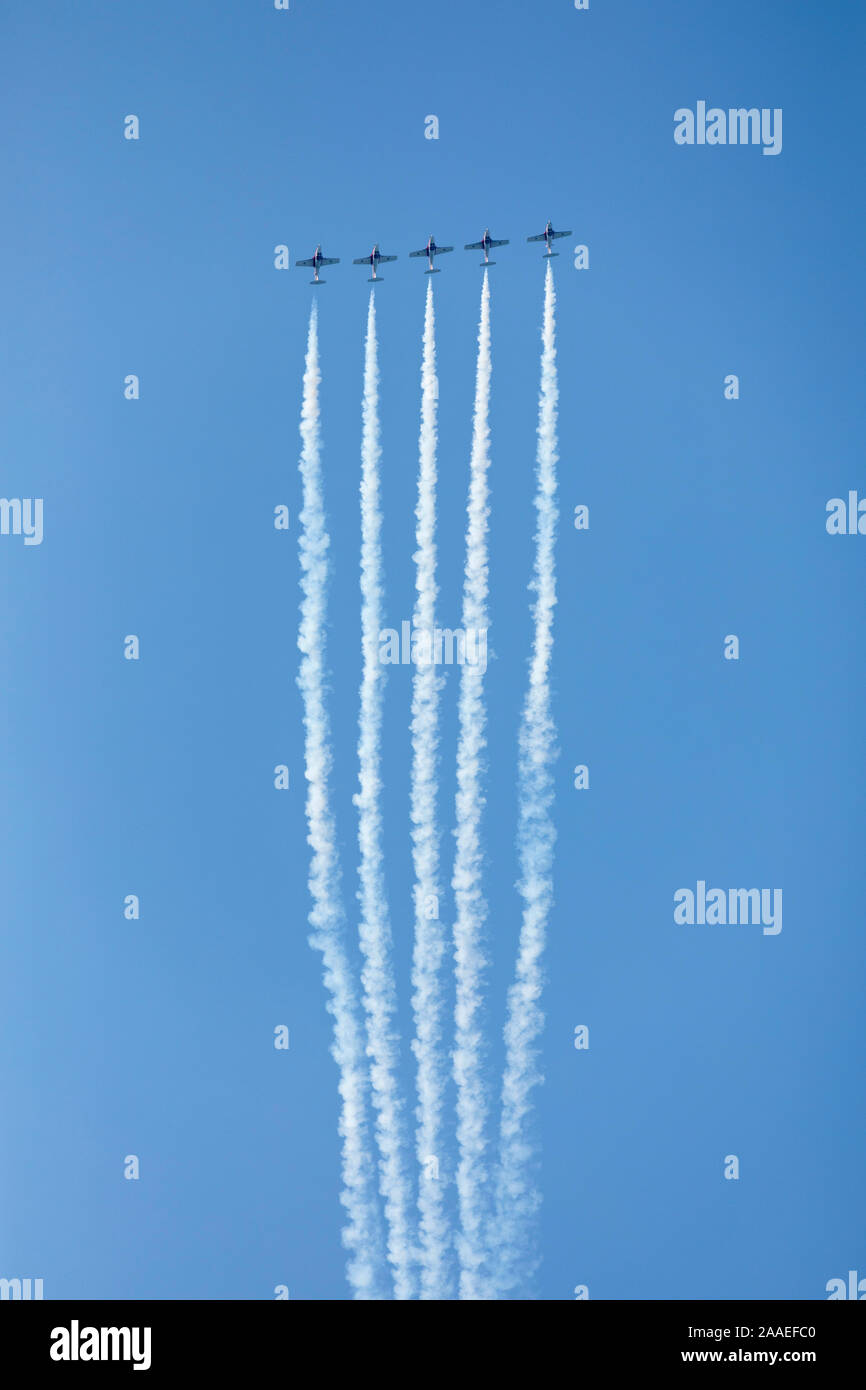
375, 258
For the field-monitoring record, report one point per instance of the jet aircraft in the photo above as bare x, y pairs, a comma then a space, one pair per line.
547, 236
317, 260
485, 245
374, 259
431, 250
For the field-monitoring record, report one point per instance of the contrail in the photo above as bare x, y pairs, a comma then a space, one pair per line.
429, 947
517, 1197
362, 1235
377, 975
471, 906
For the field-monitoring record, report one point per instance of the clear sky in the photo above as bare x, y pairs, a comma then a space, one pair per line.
707, 518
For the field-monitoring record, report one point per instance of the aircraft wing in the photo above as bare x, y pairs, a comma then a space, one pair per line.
559, 234
479, 245
541, 237
329, 260
439, 250
309, 262
498, 243
363, 260
387, 258
422, 252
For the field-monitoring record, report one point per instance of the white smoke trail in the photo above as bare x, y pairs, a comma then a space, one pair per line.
362, 1236
471, 906
429, 947
517, 1197
377, 976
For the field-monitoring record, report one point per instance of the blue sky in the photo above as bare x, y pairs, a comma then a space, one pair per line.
155, 257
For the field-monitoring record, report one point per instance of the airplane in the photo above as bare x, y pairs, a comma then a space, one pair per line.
316, 260
373, 259
484, 245
547, 236
431, 250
